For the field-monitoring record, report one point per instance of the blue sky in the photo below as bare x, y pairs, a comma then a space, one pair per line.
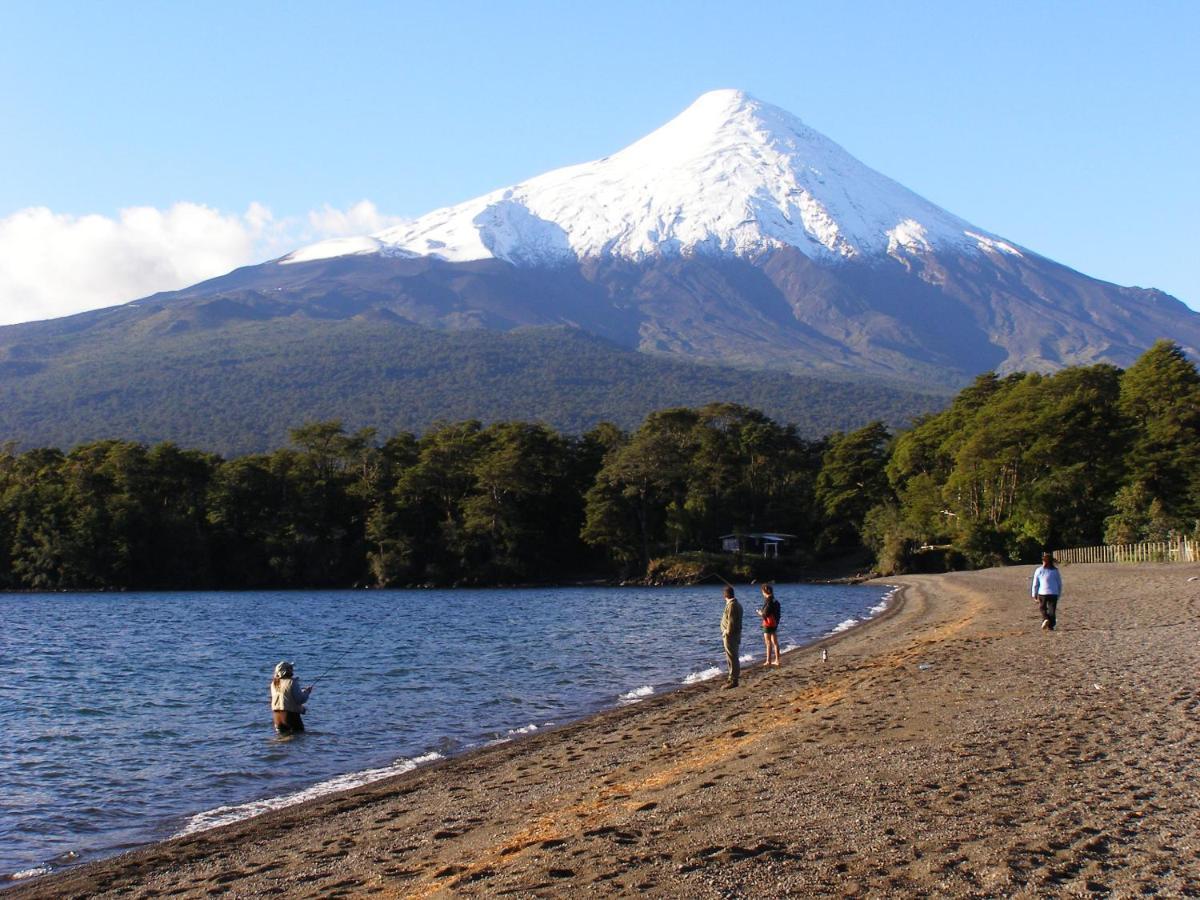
228, 132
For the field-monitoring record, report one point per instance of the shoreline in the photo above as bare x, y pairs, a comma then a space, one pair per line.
857, 578
913, 761
358, 779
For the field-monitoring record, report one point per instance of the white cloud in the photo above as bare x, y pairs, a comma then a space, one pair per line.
361, 218
53, 264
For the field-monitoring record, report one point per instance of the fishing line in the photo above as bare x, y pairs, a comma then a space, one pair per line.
353, 645
753, 581
332, 666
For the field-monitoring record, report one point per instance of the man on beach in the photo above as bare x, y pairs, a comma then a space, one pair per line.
731, 635
1047, 585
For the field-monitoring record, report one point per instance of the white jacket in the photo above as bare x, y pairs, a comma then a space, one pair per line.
288, 696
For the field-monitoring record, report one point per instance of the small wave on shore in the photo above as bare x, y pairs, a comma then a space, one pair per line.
514, 733
874, 611
703, 675
27, 873
884, 602
224, 815
636, 695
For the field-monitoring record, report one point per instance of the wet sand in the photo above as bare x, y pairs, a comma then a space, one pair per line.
951, 747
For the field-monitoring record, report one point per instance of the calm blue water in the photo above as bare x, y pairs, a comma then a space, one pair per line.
129, 718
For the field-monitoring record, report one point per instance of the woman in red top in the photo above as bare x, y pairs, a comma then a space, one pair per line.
770, 624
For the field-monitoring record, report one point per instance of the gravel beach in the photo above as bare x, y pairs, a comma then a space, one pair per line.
951, 747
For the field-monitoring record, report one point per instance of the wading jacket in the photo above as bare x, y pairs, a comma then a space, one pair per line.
289, 696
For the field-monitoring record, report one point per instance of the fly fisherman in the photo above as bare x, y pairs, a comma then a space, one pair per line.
287, 700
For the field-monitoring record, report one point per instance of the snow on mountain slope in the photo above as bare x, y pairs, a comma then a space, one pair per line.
729, 175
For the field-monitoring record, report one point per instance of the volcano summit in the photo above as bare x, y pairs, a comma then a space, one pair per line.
729, 176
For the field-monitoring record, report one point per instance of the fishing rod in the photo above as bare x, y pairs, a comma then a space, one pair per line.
716, 575
353, 646
730, 583
332, 666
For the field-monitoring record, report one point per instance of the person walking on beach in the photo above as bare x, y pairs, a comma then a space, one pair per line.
770, 613
287, 699
1047, 587
731, 635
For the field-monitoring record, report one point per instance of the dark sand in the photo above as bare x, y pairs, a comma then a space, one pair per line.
950, 748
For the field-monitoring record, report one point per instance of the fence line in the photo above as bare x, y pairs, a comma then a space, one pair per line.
1180, 550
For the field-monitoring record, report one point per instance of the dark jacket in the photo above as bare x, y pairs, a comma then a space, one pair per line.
771, 609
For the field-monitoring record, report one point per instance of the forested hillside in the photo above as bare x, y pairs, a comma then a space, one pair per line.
1013, 465
240, 386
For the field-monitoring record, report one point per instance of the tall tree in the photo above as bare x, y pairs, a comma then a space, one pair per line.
36, 505
1160, 397
638, 505
430, 496
852, 480
522, 516
387, 558
248, 526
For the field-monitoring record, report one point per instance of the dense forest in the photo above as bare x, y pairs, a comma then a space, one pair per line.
1089, 455
1014, 464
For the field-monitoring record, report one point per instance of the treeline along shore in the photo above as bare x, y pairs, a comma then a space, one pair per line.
1014, 464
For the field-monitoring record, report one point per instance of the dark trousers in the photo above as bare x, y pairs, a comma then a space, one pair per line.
731, 657
287, 722
1049, 606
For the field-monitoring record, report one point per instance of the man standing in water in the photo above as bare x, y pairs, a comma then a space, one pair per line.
731, 635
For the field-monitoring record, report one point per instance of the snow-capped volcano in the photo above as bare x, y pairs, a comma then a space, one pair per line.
734, 235
730, 175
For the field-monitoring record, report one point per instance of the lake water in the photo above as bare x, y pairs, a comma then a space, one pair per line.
128, 718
